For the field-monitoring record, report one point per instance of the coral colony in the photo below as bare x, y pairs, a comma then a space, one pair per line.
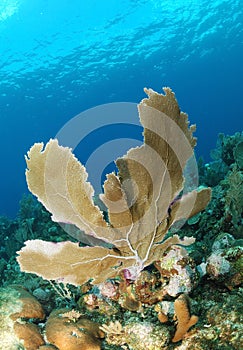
137, 227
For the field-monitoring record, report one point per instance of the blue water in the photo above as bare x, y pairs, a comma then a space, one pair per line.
58, 58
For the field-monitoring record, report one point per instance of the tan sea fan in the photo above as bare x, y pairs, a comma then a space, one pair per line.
143, 200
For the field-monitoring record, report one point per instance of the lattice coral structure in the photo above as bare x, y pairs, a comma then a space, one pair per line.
143, 201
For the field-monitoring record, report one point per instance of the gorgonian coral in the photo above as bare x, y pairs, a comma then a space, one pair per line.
143, 200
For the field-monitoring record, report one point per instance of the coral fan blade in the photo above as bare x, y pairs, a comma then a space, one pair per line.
59, 181
67, 262
190, 204
116, 202
152, 175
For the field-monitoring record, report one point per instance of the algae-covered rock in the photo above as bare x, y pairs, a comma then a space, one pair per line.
140, 336
226, 266
180, 271
137, 335
9, 304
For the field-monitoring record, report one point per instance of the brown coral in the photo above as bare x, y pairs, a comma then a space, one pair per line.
72, 334
184, 319
31, 308
28, 308
29, 334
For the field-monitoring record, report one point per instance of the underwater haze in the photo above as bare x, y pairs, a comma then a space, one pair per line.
59, 58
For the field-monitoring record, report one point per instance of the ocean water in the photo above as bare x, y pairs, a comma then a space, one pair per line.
59, 58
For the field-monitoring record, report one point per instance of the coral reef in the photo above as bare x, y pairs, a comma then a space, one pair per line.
137, 232
150, 302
